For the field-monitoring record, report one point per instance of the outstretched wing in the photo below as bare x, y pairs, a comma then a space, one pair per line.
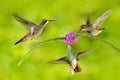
102, 18
60, 60
82, 54
28, 24
88, 23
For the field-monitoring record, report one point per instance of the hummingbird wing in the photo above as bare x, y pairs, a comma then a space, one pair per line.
88, 23
82, 54
60, 60
102, 18
28, 24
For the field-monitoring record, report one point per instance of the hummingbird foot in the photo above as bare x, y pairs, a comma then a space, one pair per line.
102, 29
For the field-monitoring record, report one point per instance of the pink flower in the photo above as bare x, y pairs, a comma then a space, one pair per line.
70, 38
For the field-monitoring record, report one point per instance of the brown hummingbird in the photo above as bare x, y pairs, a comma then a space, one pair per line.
94, 29
72, 59
34, 30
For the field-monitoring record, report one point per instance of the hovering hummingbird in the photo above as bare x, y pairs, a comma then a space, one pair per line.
34, 30
72, 59
94, 29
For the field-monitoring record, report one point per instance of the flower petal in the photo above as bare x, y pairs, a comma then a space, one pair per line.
70, 38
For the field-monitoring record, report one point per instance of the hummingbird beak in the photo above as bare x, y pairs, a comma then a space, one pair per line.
51, 20
80, 29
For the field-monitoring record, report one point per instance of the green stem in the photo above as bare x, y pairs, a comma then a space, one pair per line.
110, 44
106, 42
38, 44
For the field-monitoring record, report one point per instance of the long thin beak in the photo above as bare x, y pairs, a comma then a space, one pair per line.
51, 20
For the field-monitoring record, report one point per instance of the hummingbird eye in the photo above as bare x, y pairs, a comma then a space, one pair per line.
82, 27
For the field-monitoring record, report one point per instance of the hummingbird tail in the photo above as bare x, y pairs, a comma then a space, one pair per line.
26, 37
19, 41
77, 68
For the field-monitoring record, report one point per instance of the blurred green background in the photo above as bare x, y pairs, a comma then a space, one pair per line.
102, 64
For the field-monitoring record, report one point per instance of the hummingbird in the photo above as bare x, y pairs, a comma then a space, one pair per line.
34, 30
72, 59
94, 29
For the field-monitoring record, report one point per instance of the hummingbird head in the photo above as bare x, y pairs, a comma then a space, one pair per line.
83, 27
45, 21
